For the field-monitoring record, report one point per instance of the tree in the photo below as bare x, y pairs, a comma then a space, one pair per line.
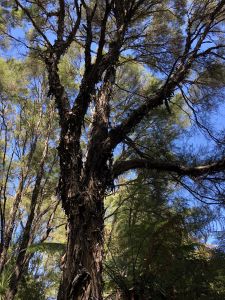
181, 41
154, 247
28, 169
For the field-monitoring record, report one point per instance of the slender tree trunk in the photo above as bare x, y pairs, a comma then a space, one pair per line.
26, 236
9, 226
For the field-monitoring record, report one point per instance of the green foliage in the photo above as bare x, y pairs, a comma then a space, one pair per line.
4, 281
155, 249
47, 247
31, 288
28, 120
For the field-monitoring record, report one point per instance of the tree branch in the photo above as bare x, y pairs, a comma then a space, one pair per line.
64, 46
61, 20
26, 11
194, 171
178, 74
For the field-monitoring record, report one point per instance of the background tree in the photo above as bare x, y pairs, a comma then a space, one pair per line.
29, 169
155, 248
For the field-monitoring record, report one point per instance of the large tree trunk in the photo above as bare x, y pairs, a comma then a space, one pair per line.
82, 271
82, 193
84, 179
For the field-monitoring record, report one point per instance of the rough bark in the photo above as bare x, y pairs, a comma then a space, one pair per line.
82, 276
82, 194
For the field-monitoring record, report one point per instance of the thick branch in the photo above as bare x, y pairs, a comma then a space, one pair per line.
56, 89
74, 30
94, 72
194, 171
101, 43
61, 20
100, 124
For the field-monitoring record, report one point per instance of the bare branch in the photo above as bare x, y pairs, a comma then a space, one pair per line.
193, 171
26, 11
61, 20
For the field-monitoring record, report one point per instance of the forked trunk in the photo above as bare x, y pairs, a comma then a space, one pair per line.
82, 189
82, 269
